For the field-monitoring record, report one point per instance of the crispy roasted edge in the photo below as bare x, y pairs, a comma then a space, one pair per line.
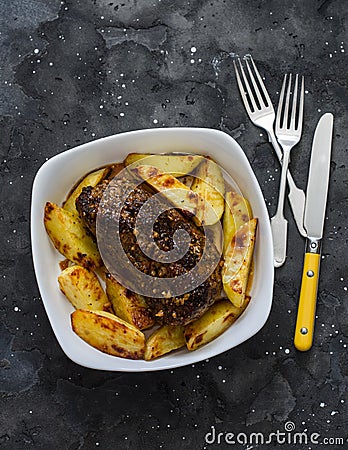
108, 333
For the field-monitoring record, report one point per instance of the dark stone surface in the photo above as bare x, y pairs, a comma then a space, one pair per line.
68, 71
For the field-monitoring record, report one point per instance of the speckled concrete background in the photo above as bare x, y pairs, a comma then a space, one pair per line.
74, 71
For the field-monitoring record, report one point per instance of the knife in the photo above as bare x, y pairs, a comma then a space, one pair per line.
314, 215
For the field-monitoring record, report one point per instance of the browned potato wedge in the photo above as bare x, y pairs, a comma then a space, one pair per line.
70, 237
209, 184
237, 212
175, 165
214, 322
238, 258
127, 305
108, 333
82, 288
164, 340
172, 189
92, 179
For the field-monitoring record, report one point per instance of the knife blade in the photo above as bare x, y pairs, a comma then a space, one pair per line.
314, 217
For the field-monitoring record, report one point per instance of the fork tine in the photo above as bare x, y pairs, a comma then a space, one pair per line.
294, 103
280, 103
287, 103
247, 85
253, 81
241, 89
300, 111
264, 90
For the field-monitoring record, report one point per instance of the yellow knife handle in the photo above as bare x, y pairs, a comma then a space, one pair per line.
308, 297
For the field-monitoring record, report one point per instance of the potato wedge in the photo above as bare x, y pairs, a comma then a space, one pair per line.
127, 305
92, 179
70, 237
237, 212
82, 288
213, 323
238, 258
250, 279
209, 184
175, 165
108, 333
164, 340
172, 189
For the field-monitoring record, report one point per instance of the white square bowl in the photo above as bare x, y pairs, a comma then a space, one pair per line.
55, 179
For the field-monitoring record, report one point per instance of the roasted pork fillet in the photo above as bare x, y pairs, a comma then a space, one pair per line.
170, 310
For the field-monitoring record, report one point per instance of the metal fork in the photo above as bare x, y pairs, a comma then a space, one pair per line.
288, 132
260, 110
